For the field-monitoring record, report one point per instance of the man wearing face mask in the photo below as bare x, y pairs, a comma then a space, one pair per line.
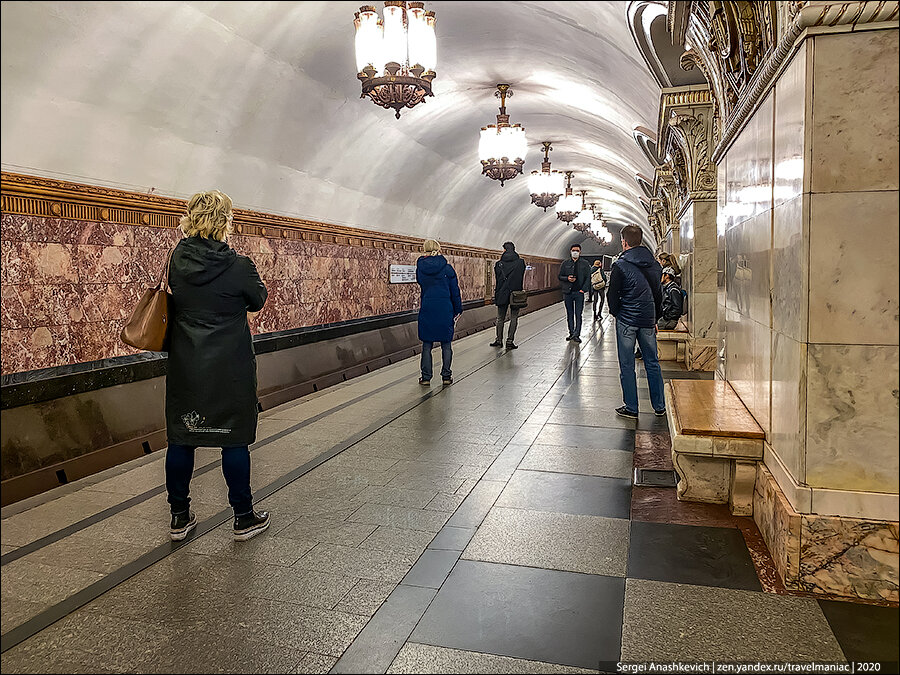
575, 279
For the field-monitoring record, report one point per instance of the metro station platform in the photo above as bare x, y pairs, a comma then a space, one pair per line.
487, 526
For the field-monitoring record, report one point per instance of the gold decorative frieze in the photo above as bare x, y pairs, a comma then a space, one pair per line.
52, 198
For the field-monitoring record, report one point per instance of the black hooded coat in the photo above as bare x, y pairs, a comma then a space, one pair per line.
211, 379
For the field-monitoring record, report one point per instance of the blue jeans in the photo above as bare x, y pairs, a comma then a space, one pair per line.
646, 338
235, 466
446, 359
574, 309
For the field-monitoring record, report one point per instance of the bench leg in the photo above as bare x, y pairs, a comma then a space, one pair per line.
702, 479
743, 481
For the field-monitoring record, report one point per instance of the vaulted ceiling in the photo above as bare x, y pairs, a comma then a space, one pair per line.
261, 100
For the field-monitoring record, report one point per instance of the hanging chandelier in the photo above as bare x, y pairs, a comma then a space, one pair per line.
396, 57
502, 146
585, 216
546, 186
569, 206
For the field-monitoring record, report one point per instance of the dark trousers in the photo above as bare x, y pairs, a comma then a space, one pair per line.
574, 308
235, 466
513, 322
446, 359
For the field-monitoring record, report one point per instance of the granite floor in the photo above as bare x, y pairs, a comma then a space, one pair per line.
488, 526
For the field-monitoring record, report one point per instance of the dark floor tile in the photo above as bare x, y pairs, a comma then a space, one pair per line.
452, 538
477, 504
688, 554
502, 609
865, 632
568, 493
378, 643
653, 450
586, 437
431, 568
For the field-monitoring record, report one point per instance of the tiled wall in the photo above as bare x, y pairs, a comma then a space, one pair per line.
808, 213
68, 285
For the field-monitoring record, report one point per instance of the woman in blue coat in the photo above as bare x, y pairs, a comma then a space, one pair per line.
441, 305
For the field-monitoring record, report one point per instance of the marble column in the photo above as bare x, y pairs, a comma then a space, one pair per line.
698, 246
809, 214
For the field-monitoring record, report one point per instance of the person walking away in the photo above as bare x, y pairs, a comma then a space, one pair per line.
575, 279
211, 375
509, 275
634, 294
441, 305
598, 285
672, 301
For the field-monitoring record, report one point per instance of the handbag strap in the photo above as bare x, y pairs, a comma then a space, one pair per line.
505, 278
163, 282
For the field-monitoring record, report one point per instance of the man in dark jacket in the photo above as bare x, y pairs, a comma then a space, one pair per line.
634, 294
575, 279
672, 301
509, 275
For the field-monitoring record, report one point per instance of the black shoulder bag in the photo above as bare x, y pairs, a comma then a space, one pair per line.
517, 299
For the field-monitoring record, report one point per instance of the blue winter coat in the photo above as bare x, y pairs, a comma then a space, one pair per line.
441, 300
634, 291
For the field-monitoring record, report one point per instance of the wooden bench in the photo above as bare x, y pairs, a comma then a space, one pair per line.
671, 345
716, 443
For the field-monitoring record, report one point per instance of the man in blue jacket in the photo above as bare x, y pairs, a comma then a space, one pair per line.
634, 295
575, 280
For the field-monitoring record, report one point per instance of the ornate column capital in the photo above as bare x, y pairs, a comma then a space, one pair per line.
687, 126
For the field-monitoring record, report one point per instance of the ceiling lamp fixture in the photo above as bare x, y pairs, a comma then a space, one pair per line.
396, 57
546, 186
585, 216
569, 206
502, 146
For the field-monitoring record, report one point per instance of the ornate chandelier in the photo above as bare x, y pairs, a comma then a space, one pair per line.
502, 146
396, 57
569, 206
585, 217
546, 186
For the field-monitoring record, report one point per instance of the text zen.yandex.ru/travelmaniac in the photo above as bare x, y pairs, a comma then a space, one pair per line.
725, 667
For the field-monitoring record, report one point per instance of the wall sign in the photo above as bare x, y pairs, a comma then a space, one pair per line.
403, 274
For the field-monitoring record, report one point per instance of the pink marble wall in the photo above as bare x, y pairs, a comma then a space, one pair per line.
67, 285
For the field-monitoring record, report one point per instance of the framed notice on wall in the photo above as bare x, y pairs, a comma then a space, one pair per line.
403, 274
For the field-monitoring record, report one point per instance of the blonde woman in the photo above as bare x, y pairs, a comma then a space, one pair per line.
441, 304
211, 379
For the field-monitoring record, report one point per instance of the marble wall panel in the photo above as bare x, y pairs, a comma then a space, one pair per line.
68, 285
686, 227
779, 525
704, 315
852, 417
854, 136
761, 407
739, 176
849, 557
788, 424
853, 293
790, 267
757, 247
762, 129
739, 355
790, 127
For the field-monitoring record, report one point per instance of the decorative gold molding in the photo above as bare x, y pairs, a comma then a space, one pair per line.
22, 194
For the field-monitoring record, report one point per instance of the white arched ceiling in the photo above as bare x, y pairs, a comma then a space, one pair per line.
261, 100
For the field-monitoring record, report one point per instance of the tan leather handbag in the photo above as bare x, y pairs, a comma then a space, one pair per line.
148, 326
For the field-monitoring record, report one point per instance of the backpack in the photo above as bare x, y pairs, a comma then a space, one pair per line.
598, 283
684, 302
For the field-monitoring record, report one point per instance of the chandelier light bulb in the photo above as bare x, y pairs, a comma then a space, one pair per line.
546, 186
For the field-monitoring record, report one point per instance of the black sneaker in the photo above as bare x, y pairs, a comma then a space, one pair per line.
625, 412
569, 338
248, 526
512, 345
424, 382
496, 343
182, 524
575, 338
447, 380
660, 413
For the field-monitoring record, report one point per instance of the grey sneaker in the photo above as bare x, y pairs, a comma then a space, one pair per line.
182, 524
249, 525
